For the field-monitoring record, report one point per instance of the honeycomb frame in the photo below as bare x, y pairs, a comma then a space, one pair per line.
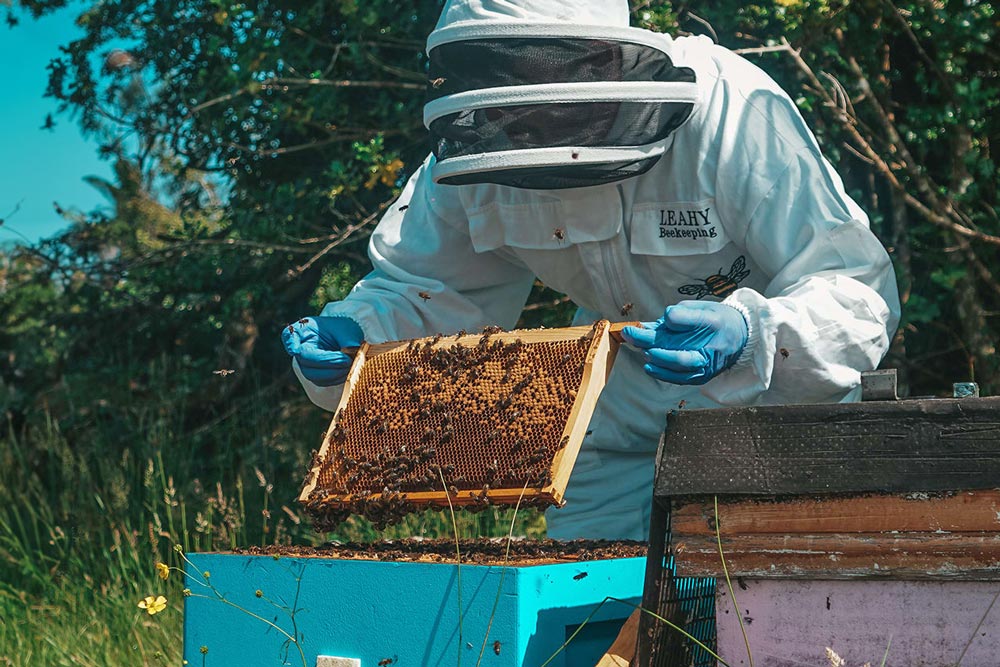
556, 391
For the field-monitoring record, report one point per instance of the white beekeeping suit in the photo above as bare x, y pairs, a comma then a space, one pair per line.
630, 171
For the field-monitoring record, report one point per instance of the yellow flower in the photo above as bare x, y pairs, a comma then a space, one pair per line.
385, 173
162, 570
153, 605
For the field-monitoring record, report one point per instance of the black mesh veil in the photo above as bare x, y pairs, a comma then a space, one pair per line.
507, 63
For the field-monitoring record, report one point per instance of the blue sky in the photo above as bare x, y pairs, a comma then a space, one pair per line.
38, 166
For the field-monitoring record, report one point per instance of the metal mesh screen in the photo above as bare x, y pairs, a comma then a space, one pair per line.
687, 602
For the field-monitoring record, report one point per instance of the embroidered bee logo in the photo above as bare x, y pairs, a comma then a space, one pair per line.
719, 285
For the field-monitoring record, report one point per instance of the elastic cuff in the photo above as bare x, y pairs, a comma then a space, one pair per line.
746, 354
357, 312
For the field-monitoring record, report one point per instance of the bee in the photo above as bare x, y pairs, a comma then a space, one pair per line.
403, 207
680, 406
784, 353
578, 577
436, 83
719, 285
559, 234
496, 647
386, 661
224, 372
626, 309
425, 296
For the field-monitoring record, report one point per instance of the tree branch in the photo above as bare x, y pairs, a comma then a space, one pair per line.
950, 219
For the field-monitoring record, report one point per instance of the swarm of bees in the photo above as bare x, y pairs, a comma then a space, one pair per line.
461, 419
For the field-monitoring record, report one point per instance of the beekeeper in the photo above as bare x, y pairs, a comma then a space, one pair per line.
647, 178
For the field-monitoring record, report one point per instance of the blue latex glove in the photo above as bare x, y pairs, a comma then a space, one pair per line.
692, 343
315, 342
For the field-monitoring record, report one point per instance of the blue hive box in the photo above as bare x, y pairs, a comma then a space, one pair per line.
403, 614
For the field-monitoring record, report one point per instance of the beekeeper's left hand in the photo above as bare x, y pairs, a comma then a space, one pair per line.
693, 342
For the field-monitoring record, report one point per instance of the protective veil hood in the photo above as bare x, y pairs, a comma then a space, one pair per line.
549, 94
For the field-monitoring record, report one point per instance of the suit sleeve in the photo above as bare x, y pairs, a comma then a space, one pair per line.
426, 276
832, 306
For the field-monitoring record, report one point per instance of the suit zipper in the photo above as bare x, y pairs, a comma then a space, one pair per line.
615, 281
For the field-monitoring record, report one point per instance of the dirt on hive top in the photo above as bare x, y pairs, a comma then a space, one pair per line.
480, 552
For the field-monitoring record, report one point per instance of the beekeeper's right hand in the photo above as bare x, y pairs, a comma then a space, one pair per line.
316, 344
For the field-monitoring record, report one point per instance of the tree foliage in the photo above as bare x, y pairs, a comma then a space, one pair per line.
256, 144
903, 98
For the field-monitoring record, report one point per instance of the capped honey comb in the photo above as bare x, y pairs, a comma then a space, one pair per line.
468, 420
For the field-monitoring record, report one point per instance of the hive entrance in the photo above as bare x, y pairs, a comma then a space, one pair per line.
493, 418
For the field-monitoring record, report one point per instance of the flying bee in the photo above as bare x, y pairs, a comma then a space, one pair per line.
435, 83
719, 285
224, 372
626, 309
425, 296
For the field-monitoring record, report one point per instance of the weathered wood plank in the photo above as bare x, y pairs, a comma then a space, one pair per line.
966, 511
892, 446
924, 555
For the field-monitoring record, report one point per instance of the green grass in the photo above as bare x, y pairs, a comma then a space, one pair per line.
87, 513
